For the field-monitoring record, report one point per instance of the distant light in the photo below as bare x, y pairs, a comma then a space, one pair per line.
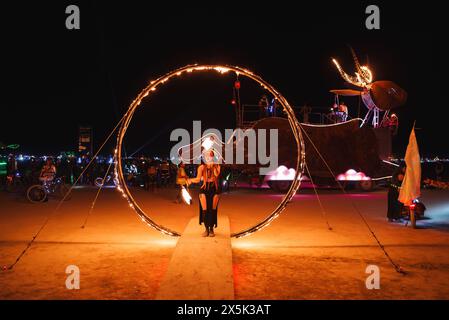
352, 175
282, 173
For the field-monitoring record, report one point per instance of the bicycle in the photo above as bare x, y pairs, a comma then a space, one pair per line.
40, 192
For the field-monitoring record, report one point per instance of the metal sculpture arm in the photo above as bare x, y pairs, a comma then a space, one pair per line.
363, 77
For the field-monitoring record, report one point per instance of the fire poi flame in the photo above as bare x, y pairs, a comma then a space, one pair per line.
186, 196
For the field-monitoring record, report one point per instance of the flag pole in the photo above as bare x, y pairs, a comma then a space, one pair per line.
412, 207
412, 216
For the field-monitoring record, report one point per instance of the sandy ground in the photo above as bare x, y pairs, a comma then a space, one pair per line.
296, 257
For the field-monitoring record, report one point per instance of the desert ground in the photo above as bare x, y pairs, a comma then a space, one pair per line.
296, 257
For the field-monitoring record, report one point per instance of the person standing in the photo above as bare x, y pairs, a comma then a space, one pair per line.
342, 112
48, 171
165, 173
181, 181
209, 174
394, 205
151, 176
263, 107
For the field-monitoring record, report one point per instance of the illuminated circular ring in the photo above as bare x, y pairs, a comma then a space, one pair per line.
294, 125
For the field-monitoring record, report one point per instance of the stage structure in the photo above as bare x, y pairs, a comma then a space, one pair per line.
378, 96
85, 141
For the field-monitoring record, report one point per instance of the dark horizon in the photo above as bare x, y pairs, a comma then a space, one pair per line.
56, 79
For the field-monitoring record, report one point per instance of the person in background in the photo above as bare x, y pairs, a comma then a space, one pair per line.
48, 171
439, 170
305, 112
181, 181
164, 173
343, 111
333, 114
272, 108
28, 173
394, 205
3, 172
35, 170
144, 173
263, 107
151, 176
11, 165
173, 172
393, 123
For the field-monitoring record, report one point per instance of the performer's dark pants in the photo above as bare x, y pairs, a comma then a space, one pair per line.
208, 215
394, 205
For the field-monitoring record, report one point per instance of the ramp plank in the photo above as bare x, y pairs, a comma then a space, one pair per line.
201, 267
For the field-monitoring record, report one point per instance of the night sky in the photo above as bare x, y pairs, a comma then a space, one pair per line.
54, 79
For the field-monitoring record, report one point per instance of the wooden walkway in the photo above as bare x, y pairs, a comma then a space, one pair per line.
201, 267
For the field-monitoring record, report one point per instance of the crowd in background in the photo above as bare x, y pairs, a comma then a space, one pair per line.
143, 172
139, 172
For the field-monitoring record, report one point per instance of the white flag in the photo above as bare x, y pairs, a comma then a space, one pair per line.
411, 185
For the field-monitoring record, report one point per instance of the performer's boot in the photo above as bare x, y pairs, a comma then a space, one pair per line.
211, 227
203, 216
205, 233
